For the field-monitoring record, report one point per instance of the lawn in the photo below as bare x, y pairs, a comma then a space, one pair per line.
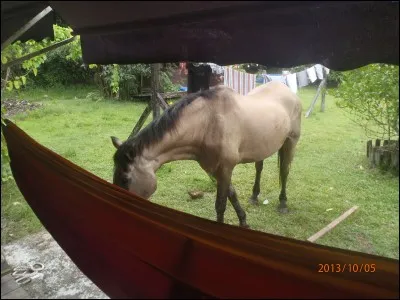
328, 176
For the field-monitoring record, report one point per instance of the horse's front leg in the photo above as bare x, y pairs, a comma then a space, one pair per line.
223, 177
220, 202
236, 205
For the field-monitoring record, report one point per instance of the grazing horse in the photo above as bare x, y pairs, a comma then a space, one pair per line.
219, 129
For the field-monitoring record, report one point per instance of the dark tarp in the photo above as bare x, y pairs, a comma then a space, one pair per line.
339, 35
15, 14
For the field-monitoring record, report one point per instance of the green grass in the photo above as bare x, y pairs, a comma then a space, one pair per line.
325, 178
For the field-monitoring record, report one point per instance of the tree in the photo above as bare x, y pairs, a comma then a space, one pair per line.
17, 76
19, 73
371, 95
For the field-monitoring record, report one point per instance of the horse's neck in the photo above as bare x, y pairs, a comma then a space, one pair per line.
174, 146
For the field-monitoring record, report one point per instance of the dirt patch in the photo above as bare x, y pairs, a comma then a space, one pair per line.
14, 106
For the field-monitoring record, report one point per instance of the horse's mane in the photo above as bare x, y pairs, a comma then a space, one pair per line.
156, 130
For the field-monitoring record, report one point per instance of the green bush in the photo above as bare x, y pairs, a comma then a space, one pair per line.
57, 70
371, 95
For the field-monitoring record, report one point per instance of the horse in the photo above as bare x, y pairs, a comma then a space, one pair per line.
219, 129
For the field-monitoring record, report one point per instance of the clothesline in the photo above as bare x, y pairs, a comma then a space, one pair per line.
243, 82
299, 79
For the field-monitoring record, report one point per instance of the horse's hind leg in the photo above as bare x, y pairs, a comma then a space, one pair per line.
285, 157
256, 188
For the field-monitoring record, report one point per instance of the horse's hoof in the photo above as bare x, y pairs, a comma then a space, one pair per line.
253, 201
244, 226
283, 210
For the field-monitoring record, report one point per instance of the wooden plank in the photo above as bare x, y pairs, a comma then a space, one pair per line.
164, 105
377, 157
155, 87
395, 161
333, 224
141, 121
320, 87
372, 156
167, 95
36, 53
324, 91
369, 147
26, 27
323, 100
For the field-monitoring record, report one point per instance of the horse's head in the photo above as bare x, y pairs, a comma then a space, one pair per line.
133, 172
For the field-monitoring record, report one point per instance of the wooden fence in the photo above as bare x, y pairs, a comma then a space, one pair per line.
385, 157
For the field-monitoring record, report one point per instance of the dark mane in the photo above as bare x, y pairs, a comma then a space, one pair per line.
156, 130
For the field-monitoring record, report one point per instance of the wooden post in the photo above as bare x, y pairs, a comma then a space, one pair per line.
369, 147
323, 100
395, 161
164, 105
324, 91
4, 82
310, 109
155, 86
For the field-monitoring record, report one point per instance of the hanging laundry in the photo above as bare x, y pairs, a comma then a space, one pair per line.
183, 68
292, 82
241, 82
320, 73
265, 78
311, 74
276, 77
302, 79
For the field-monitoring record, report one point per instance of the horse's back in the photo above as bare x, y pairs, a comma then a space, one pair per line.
269, 115
276, 92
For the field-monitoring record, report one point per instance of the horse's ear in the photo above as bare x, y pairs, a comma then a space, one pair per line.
116, 142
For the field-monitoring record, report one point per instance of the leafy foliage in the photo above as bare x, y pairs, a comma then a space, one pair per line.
64, 65
124, 81
17, 50
29, 68
19, 74
371, 95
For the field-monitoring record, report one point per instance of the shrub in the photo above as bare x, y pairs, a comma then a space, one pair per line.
371, 95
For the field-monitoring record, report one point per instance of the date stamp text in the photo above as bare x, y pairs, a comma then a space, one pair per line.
340, 268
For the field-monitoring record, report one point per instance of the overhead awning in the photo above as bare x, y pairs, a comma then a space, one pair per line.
15, 14
339, 35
